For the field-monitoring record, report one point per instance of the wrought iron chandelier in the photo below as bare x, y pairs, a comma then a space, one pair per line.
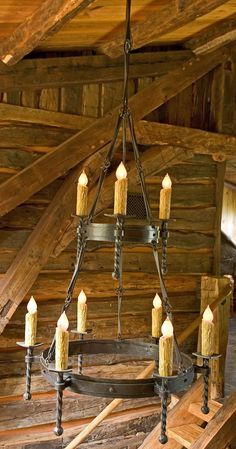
178, 373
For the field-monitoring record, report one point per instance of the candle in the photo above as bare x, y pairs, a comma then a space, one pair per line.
62, 343
207, 332
81, 312
165, 198
156, 317
121, 186
31, 323
166, 344
82, 195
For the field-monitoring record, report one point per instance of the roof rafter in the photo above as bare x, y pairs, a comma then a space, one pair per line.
220, 33
46, 20
171, 16
23, 185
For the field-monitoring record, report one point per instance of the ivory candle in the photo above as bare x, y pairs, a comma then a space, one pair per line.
156, 317
62, 343
207, 332
121, 187
166, 344
82, 195
165, 198
31, 323
81, 312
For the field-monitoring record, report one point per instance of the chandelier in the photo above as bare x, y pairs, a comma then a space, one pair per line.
174, 371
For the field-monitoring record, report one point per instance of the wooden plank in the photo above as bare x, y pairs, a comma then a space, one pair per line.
221, 167
90, 140
221, 430
195, 409
43, 22
124, 423
186, 434
201, 142
171, 16
76, 70
219, 33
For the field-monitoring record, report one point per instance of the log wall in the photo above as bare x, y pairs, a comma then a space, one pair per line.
192, 246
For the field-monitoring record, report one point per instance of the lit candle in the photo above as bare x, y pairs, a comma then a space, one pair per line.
156, 317
62, 343
81, 312
165, 198
166, 344
31, 323
82, 195
121, 187
207, 332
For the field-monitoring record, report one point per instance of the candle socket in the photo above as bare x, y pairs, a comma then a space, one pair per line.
165, 202
81, 317
30, 328
120, 198
156, 322
61, 349
82, 200
207, 338
166, 356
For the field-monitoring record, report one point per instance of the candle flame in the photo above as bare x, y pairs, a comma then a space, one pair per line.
83, 179
157, 302
82, 298
63, 322
208, 315
166, 183
32, 305
167, 328
121, 171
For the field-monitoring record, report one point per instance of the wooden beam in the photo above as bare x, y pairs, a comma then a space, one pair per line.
20, 114
74, 70
220, 33
46, 20
85, 143
221, 146
173, 15
37, 249
221, 431
153, 161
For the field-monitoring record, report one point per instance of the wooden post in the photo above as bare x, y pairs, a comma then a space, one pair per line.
210, 288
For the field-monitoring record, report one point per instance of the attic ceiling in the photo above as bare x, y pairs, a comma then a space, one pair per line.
102, 19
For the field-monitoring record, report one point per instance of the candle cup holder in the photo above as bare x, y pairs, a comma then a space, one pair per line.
29, 359
205, 370
166, 385
80, 356
60, 383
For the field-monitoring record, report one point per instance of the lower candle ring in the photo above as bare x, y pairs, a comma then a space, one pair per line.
118, 388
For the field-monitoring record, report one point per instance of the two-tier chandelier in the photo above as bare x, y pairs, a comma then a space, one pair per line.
174, 370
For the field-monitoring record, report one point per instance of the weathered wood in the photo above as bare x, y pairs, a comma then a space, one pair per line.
221, 166
47, 19
107, 411
221, 430
171, 16
73, 71
126, 423
90, 140
29, 115
201, 142
53, 221
218, 34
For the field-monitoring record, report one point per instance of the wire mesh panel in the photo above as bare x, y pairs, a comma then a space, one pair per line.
136, 206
